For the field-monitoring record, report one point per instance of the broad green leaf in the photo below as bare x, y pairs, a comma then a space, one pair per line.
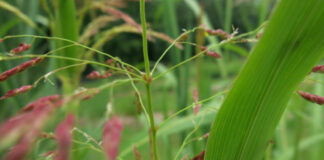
290, 46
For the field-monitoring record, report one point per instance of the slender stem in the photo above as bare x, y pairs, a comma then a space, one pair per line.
152, 124
144, 39
148, 77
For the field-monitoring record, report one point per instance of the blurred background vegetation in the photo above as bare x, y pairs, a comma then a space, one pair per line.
299, 136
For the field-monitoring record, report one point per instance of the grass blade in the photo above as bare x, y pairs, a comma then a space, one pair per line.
279, 62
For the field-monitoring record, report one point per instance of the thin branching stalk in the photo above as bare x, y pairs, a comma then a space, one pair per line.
148, 77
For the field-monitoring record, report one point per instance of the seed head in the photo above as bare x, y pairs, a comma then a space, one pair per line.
111, 137
137, 154
258, 36
5, 75
318, 69
17, 91
183, 37
109, 61
200, 156
26, 127
63, 137
196, 101
213, 54
97, 75
21, 48
218, 32
55, 100
210, 53
85, 94
312, 98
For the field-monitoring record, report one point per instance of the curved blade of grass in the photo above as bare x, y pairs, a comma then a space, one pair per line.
290, 46
18, 13
66, 27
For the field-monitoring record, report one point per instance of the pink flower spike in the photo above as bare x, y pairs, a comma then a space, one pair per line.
312, 98
21, 48
97, 75
196, 100
137, 154
109, 61
19, 151
63, 134
206, 135
55, 100
203, 48
213, 54
111, 137
17, 91
318, 69
200, 156
1, 40
7, 74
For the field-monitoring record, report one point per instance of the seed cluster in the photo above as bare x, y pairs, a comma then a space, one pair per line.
21, 48
318, 69
312, 98
17, 91
5, 75
211, 53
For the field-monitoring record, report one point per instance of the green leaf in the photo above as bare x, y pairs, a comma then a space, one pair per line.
290, 46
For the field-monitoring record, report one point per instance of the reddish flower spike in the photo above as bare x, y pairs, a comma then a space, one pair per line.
206, 135
55, 100
200, 156
109, 61
210, 53
21, 48
203, 48
86, 94
183, 37
1, 40
19, 151
97, 75
258, 36
111, 137
17, 91
137, 154
63, 136
31, 122
218, 32
318, 69
213, 54
312, 98
7, 74
196, 101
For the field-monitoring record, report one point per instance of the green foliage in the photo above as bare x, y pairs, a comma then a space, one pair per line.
283, 57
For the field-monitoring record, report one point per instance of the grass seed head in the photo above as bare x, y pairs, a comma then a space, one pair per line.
97, 75
137, 154
318, 69
21, 48
63, 135
17, 91
7, 74
312, 98
111, 137
196, 101
200, 156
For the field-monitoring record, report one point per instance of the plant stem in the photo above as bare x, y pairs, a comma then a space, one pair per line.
148, 77
144, 39
152, 124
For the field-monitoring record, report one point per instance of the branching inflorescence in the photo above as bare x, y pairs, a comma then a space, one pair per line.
33, 116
